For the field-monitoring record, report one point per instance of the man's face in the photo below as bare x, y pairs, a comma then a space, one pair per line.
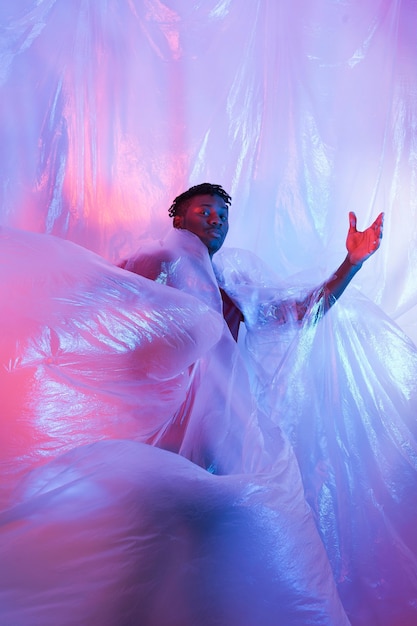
207, 217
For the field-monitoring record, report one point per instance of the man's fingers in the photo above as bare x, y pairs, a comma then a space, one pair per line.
352, 221
378, 225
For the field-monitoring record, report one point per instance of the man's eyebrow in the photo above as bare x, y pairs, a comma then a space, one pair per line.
210, 204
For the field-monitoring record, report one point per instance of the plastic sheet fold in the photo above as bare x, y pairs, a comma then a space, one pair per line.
140, 484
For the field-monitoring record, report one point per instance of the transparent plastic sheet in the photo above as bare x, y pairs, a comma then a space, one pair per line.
302, 110
119, 532
88, 351
220, 418
343, 387
99, 527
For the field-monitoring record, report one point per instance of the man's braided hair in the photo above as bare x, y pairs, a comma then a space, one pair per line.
204, 189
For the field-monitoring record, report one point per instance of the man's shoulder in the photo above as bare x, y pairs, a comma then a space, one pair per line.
149, 260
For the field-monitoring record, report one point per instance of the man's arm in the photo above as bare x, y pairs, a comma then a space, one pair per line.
360, 246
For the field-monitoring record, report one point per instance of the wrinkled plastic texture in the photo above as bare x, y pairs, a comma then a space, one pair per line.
343, 387
303, 111
88, 350
206, 529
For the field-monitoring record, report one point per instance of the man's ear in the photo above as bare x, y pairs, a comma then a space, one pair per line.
177, 221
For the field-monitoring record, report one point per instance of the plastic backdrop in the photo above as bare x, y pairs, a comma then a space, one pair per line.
302, 110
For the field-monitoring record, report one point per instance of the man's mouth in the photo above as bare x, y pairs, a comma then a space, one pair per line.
215, 232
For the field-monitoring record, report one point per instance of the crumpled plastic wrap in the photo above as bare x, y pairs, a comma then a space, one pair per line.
303, 111
343, 387
88, 351
99, 526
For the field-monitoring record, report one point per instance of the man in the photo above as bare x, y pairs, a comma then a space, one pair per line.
341, 393
230, 422
183, 260
203, 210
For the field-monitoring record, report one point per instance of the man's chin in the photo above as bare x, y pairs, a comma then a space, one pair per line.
214, 244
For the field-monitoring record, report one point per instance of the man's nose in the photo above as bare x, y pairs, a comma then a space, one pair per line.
214, 219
